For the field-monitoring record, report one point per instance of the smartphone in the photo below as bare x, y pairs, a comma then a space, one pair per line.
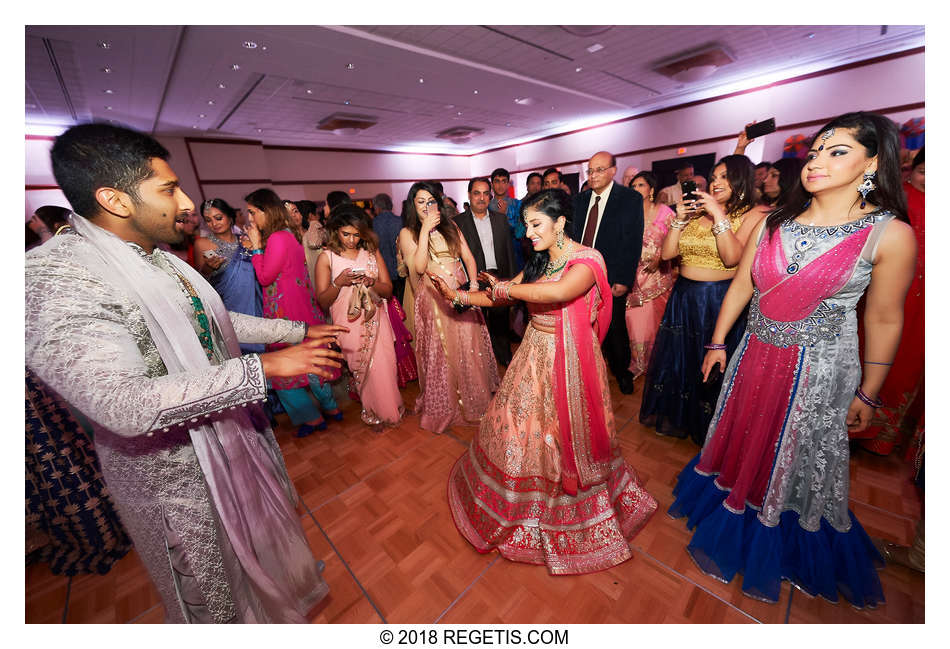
688, 187
208, 254
760, 128
357, 271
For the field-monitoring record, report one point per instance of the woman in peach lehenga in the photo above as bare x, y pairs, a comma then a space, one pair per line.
457, 369
543, 481
352, 283
647, 301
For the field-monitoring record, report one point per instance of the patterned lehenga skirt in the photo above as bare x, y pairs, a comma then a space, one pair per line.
505, 492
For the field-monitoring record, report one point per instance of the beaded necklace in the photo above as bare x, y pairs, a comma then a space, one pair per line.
551, 269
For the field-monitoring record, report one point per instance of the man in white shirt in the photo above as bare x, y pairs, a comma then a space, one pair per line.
489, 237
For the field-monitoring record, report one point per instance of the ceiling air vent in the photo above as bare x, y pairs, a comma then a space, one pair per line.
695, 65
346, 123
460, 134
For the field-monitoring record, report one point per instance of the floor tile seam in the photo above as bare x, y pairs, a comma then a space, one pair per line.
698, 585
912, 519
69, 584
346, 565
368, 475
143, 613
466, 589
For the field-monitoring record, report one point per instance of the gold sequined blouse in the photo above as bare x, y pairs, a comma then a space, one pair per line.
697, 245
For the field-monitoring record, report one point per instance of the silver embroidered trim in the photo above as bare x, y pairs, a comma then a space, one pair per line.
824, 323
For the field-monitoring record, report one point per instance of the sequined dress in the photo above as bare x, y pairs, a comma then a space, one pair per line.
508, 491
768, 494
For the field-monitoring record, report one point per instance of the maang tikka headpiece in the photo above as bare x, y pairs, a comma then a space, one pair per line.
825, 137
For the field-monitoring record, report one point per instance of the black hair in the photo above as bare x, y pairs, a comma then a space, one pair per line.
685, 164
437, 185
52, 216
500, 172
553, 203
552, 170
308, 210
918, 159
446, 226
740, 173
350, 214
880, 137
337, 197
532, 175
649, 178
220, 204
763, 165
479, 179
90, 156
789, 175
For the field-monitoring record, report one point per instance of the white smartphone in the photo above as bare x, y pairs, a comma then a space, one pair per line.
357, 271
208, 254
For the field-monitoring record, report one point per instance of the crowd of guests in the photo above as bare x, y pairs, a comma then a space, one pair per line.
737, 305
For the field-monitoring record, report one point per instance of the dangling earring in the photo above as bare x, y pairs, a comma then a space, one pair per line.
560, 240
866, 187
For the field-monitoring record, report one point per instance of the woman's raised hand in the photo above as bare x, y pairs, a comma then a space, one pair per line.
254, 236
711, 205
488, 278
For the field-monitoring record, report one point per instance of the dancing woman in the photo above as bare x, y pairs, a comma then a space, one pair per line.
708, 235
352, 283
279, 263
768, 494
651, 290
227, 264
457, 369
544, 481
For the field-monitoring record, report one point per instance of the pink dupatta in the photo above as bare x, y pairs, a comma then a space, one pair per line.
581, 407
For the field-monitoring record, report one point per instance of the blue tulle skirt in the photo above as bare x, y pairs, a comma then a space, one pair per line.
675, 400
820, 563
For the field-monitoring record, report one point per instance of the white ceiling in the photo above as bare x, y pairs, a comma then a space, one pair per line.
163, 78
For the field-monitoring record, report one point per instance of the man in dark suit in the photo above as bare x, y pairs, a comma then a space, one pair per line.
609, 218
489, 237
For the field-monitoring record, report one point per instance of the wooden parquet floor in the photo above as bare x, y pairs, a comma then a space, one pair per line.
374, 509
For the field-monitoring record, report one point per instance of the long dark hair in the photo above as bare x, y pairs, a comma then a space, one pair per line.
278, 218
350, 214
789, 175
880, 137
446, 226
740, 173
554, 203
650, 179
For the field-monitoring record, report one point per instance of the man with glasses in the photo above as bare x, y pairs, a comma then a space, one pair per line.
609, 218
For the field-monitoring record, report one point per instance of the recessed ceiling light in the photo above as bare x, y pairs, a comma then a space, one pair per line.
235, 66
526, 101
251, 45
578, 69
507, 123
105, 45
450, 105
421, 80
474, 92
260, 130
552, 107
31, 105
346, 101
350, 66
201, 115
109, 91
596, 47
221, 86
263, 48
309, 91
211, 102
194, 126
107, 70
810, 35
108, 107
459, 113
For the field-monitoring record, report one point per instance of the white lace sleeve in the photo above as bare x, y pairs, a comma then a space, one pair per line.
89, 343
251, 329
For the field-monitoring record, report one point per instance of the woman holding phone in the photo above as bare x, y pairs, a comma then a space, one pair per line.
457, 369
353, 284
708, 234
227, 264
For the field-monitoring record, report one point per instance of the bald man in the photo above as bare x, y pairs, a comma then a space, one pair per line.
609, 218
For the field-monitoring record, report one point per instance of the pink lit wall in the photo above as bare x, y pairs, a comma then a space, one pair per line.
230, 169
